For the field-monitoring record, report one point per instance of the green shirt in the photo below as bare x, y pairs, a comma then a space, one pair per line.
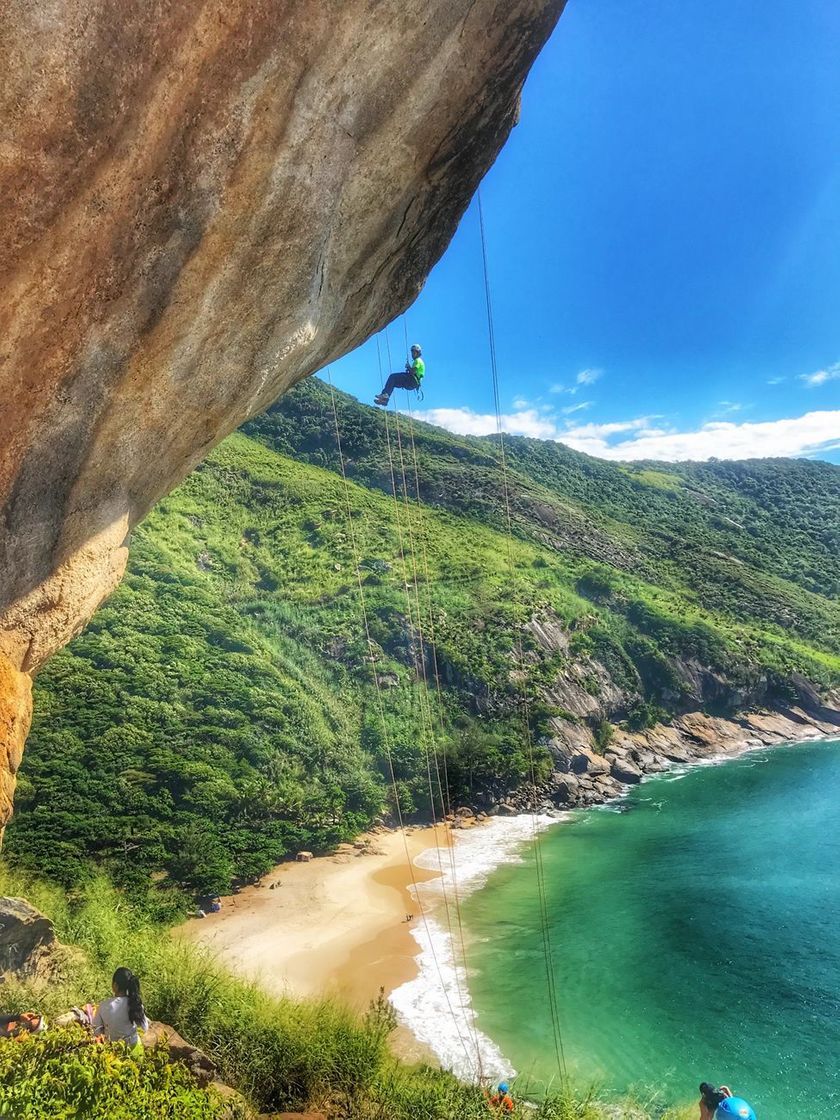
418, 368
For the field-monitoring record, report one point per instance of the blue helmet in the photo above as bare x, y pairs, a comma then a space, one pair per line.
734, 1108
503, 1087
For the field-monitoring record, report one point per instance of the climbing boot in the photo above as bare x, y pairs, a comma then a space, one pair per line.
380, 398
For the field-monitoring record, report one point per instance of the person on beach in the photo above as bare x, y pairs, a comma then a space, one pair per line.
502, 1101
121, 1017
719, 1104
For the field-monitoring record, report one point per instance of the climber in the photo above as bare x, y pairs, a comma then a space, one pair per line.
719, 1104
502, 1100
414, 372
120, 1017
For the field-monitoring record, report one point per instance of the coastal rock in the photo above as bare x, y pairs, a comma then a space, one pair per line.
506, 809
771, 727
25, 936
588, 762
201, 205
623, 770
825, 725
607, 785
708, 734
648, 762
567, 740
566, 788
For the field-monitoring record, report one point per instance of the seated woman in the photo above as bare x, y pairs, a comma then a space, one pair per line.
719, 1104
121, 1017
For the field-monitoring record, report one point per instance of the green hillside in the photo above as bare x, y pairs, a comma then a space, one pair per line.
223, 708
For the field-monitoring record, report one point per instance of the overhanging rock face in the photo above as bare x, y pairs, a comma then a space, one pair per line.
201, 204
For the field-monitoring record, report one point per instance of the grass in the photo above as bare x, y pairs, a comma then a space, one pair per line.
281, 1054
65, 1075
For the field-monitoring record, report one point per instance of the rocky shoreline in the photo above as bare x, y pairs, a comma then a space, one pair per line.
584, 776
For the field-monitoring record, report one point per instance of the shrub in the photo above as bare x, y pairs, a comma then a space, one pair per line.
65, 1075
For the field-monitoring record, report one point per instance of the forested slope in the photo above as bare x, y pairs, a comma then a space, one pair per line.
222, 709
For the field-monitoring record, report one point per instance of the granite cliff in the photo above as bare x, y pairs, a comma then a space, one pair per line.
202, 204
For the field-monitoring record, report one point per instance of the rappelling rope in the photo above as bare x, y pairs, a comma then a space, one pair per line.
538, 862
420, 666
385, 734
445, 789
429, 642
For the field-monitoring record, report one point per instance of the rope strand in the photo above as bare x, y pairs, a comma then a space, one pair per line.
538, 862
381, 707
430, 751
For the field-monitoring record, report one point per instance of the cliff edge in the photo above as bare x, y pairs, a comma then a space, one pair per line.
203, 204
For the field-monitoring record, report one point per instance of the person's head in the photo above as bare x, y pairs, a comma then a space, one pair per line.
504, 1088
416, 350
125, 983
710, 1098
719, 1104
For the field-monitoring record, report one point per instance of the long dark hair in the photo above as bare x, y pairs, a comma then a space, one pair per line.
128, 985
712, 1097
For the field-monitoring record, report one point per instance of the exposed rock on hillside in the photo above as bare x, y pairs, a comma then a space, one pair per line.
202, 204
591, 767
584, 777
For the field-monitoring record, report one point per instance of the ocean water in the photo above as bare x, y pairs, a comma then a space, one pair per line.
695, 936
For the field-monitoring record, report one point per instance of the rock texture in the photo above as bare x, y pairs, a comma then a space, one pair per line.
25, 937
201, 204
15, 716
582, 777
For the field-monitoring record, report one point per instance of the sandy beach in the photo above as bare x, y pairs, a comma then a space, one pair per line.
334, 925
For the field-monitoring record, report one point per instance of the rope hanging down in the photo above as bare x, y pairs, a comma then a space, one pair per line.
385, 734
551, 986
430, 751
440, 710
428, 642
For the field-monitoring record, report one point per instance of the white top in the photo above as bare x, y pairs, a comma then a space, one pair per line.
111, 1019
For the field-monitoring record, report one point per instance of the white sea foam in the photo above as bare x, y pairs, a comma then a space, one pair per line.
436, 1006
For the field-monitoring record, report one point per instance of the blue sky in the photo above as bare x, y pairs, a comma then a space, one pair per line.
664, 242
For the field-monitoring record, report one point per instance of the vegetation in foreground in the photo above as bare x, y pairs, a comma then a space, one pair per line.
221, 709
279, 1053
64, 1075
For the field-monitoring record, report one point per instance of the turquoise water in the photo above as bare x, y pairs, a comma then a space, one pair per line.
696, 937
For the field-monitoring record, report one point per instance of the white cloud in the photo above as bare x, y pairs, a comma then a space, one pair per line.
569, 409
641, 438
588, 376
521, 403
559, 387
830, 373
728, 407
526, 422
776, 380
